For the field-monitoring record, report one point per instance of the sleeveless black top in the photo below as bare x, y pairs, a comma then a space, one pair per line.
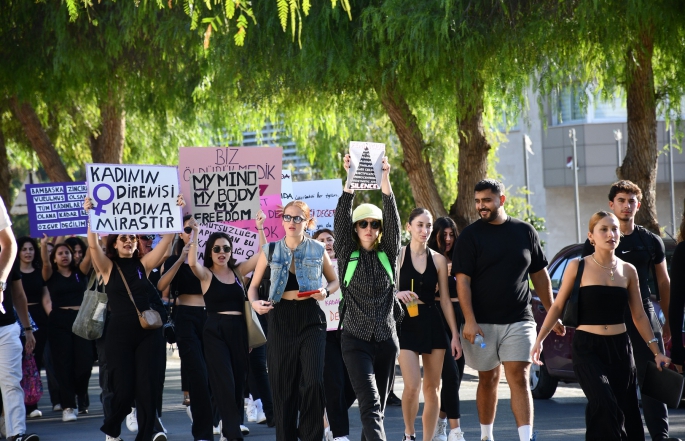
184, 282
292, 284
602, 305
67, 291
33, 284
118, 300
424, 284
224, 297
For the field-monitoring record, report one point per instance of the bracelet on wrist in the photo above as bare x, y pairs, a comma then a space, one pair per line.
260, 229
28, 328
654, 340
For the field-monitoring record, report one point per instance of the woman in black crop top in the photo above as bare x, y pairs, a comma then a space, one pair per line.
421, 271
442, 240
225, 331
72, 355
601, 347
131, 350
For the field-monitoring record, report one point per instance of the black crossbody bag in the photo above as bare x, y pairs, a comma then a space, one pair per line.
570, 316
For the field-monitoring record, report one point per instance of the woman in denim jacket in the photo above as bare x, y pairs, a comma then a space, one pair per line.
297, 326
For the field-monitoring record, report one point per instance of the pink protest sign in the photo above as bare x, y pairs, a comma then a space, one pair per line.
273, 226
268, 161
245, 243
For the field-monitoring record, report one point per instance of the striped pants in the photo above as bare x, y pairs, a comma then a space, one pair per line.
295, 357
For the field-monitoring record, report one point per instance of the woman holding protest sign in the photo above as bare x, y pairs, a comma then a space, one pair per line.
131, 349
297, 326
72, 356
225, 331
370, 310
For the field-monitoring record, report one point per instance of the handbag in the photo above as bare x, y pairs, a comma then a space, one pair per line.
90, 320
30, 380
149, 319
663, 385
255, 333
570, 316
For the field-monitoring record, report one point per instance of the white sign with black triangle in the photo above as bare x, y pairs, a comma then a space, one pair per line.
366, 165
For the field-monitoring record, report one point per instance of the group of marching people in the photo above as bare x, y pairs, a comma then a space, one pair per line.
427, 299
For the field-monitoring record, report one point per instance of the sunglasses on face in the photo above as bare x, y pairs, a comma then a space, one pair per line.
296, 219
374, 224
188, 230
125, 239
217, 248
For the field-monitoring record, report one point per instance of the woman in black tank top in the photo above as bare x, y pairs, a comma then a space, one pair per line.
225, 331
131, 350
420, 272
601, 348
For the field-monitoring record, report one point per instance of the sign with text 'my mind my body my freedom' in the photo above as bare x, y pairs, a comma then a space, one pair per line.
245, 243
56, 209
268, 161
134, 198
224, 196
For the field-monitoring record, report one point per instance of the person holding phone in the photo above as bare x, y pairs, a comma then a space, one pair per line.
297, 326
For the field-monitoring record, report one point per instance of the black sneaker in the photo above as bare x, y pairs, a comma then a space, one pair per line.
25, 437
393, 400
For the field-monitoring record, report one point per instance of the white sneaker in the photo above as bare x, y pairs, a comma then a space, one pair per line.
190, 414
456, 435
440, 433
244, 430
35, 414
69, 414
159, 437
341, 438
251, 411
57, 408
260, 417
111, 438
216, 430
132, 421
327, 434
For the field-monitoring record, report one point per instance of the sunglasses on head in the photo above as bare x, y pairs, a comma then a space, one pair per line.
148, 237
125, 238
217, 248
375, 224
296, 219
188, 230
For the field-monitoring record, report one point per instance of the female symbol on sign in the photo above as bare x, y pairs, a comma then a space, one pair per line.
102, 202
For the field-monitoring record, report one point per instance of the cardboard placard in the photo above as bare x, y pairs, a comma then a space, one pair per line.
134, 198
268, 161
330, 304
245, 243
56, 209
224, 196
286, 187
273, 225
322, 198
366, 165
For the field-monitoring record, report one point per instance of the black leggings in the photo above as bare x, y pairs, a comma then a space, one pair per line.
339, 392
132, 359
226, 350
605, 370
452, 373
72, 357
295, 356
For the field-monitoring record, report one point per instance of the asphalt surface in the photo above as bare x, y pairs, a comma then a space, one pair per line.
560, 418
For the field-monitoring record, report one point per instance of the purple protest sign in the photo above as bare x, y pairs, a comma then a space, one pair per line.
56, 209
273, 226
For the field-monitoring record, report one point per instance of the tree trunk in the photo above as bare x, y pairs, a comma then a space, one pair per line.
640, 163
40, 141
108, 148
5, 177
473, 156
416, 165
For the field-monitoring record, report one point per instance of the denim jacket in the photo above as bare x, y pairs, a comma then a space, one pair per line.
308, 266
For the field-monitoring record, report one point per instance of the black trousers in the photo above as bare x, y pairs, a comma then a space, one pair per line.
39, 316
605, 370
452, 373
190, 323
72, 357
654, 411
295, 356
339, 392
106, 393
50, 374
371, 365
225, 338
258, 381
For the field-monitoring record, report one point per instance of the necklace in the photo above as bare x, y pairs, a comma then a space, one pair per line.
610, 268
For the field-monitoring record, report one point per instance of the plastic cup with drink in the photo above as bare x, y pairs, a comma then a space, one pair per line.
413, 306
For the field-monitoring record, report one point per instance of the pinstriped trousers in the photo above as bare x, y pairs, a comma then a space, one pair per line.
295, 356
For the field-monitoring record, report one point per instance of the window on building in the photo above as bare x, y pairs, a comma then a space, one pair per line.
569, 107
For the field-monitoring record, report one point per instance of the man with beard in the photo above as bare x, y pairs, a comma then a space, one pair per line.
492, 260
645, 251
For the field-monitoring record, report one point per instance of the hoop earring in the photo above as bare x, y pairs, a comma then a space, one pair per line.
592, 242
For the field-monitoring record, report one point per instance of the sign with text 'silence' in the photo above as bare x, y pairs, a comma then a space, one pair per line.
224, 196
133, 198
366, 165
56, 209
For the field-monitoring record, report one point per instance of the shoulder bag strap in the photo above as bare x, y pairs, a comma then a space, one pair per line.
398, 265
579, 275
272, 247
239, 278
128, 290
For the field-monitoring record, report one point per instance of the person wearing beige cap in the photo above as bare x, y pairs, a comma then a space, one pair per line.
368, 242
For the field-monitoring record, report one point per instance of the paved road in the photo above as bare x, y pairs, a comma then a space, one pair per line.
561, 418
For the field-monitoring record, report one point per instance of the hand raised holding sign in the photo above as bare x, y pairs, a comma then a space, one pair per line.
346, 164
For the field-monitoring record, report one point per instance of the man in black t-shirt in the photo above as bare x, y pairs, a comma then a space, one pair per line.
645, 251
12, 297
492, 260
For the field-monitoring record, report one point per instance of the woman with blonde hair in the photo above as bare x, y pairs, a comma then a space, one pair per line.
297, 326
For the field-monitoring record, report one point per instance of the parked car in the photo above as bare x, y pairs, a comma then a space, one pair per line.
557, 350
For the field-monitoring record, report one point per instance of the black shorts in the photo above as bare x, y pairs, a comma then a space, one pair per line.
424, 332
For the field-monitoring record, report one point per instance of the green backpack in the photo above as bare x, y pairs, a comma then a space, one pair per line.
354, 259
